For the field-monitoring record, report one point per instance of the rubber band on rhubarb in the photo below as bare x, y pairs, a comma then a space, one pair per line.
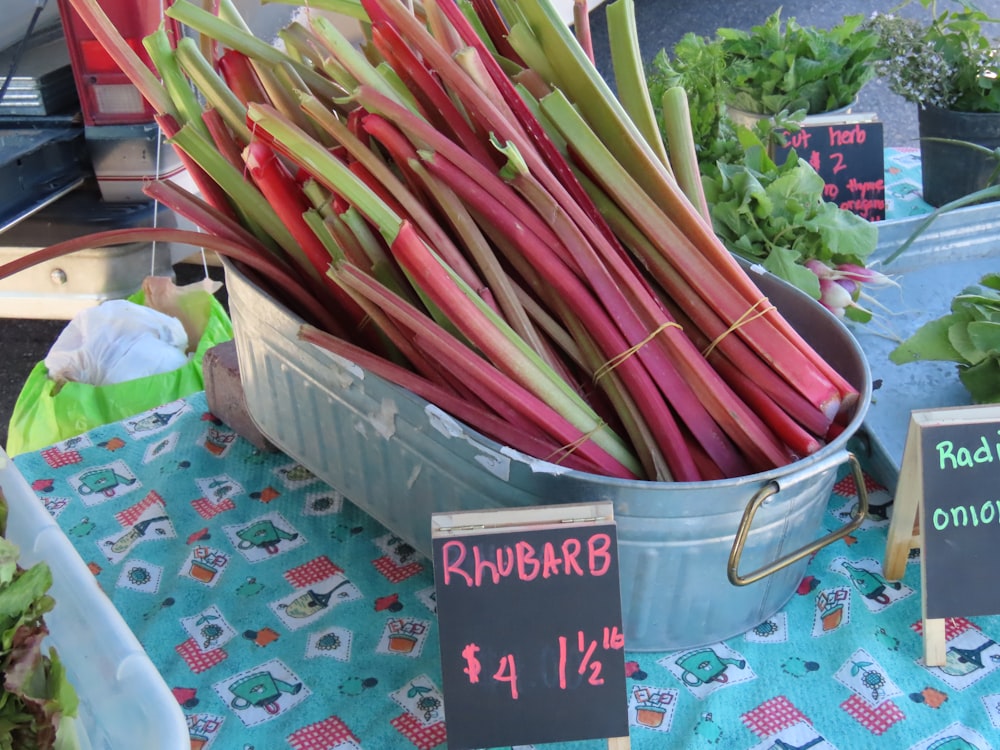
751, 314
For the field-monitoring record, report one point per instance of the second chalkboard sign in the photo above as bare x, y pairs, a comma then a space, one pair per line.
847, 152
946, 504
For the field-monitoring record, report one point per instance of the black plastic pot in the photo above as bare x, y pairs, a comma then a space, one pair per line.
953, 170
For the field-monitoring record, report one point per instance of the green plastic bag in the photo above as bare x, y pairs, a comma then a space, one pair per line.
42, 418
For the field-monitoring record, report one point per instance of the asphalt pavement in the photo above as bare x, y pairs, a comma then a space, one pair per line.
660, 24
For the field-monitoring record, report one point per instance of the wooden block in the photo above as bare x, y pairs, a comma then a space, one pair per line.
224, 393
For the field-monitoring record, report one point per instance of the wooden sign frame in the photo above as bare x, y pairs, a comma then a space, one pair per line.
906, 529
533, 518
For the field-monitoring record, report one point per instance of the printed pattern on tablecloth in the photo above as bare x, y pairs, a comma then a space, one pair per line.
280, 615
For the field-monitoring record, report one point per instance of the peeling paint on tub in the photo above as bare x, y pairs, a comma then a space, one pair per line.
444, 423
349, 367
447, 425
494, 463
450, 427
412, 479
385, 421
537, 465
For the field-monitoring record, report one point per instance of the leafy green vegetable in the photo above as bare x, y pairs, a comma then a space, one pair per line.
769, 214
777, 216
698, 67
772, 68
38, 702
969, 336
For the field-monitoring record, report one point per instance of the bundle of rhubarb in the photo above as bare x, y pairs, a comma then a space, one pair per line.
461, 205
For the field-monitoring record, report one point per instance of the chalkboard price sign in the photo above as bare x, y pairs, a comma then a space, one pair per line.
530, 625
947, 503
848, 154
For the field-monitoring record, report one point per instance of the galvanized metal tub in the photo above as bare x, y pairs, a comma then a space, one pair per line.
681, 545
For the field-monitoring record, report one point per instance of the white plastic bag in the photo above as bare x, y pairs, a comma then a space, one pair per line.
117, 341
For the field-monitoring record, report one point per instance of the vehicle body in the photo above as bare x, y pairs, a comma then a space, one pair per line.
77, 144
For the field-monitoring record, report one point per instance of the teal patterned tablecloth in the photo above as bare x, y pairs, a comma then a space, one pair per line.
903, 186
284, 617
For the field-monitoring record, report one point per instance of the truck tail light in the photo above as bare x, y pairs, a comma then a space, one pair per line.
106, 95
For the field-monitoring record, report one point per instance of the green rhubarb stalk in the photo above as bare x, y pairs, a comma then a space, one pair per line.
383, 266
162, 55
630, 76
680, 141
125, 57
345, 53
289, 81
314, 220
234, 37
573, 72
229, 13
479, 24
327, 169
416, 209
318, 196
212, 87
347, 243
256, 211
521, 37
349, 8
280, 96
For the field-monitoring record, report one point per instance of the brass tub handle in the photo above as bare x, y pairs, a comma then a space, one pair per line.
771, 488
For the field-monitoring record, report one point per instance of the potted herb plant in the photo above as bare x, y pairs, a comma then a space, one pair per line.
948, 67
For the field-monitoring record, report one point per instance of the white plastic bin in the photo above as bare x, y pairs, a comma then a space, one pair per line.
124, 702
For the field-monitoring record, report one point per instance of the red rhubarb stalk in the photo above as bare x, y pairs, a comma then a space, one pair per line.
206, 185
480, 419
440, 108
541, 410
421, 216
240, 76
